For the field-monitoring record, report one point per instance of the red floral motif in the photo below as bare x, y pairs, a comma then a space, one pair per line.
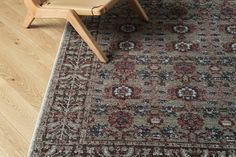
180, 28
182, 46
120, 120
123, 92
187, 93
124, 70
228, 11
230, 29
124, 67
184, 68
127, 45
229, 46
179, 11
190, 121
128, 28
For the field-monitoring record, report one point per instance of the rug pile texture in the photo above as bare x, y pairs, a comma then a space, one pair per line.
168, 90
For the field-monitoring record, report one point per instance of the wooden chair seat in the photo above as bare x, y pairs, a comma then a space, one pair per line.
82, 7
72, 10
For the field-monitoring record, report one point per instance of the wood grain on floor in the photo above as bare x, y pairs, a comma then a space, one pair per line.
26, 58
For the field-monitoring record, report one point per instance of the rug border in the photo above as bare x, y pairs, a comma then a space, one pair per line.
50, 81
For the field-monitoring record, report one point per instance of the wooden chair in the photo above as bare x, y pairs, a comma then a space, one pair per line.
72, 10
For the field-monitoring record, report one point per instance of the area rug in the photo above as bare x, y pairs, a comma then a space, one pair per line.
168, 90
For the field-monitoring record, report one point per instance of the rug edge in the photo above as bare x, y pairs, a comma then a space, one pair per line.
43, 104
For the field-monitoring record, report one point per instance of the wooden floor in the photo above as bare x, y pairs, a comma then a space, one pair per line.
26, 58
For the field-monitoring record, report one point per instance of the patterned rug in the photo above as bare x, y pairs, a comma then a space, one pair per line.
168, 90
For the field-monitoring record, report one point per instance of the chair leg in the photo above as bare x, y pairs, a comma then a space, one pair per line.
139, 9
79, 26
28, 19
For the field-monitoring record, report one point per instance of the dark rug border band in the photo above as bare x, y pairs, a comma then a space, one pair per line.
64, 39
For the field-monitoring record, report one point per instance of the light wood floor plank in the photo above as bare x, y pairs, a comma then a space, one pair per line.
16, 110
26, 58
12, 143
3, 152
29, 34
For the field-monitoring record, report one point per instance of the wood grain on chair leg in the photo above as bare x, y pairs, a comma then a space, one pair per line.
28, 19
139, 9
79, 26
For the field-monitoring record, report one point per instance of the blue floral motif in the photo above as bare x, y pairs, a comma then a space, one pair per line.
142, 131
104, 74
143, 74
210, 112
229, 138
101, 109
165, 60
212, 103
214, 133
228, 76
170, 131
98, 130
204, 76
203, 61
226, 61
142, 59
168, 111
141, 110
164, 75
232, 112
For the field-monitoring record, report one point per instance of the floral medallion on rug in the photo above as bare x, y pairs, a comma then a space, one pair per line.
168, 90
